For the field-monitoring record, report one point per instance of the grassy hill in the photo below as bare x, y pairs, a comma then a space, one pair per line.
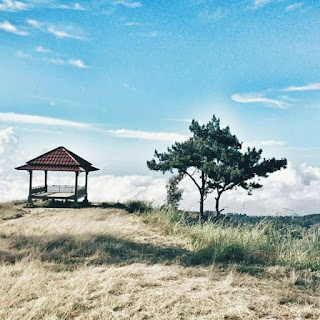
107, 263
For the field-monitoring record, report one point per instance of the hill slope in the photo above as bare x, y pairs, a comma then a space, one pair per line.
107, 264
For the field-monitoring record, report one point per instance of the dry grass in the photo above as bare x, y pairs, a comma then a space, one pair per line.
107, 264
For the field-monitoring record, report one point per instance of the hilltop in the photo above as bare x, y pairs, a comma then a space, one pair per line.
106, 263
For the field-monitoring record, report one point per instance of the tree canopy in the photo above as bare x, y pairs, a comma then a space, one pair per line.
214, 160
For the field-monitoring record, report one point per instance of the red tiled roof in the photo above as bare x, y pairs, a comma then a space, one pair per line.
59, 159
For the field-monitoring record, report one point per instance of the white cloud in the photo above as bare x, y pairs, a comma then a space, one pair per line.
23, 55
129, 4
54, 61
8, 27
261, 3
76, 6
258, 98
7, 139
151, 34
10, 5
58, 31
293, 6
78, 63
63, 34
39, 120
147, 135
127, 86
131, 24
34, 23
43, 50
266, 143
212, 16
308, 87
124, 188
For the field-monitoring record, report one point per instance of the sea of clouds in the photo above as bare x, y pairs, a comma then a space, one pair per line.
295, 190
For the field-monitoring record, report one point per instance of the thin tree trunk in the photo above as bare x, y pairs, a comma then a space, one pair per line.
218, 211
202, 197
201, 209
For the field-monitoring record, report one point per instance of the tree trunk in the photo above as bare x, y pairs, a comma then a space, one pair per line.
201, 208
201, 197
218, 211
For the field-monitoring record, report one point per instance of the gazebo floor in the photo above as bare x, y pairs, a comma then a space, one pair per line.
54, 195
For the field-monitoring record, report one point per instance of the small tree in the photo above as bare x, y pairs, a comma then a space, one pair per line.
174, 194
215, 157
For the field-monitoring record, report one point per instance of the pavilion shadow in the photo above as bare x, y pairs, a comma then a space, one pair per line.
91, 250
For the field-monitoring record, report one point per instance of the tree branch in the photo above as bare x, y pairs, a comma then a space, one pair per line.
193, 179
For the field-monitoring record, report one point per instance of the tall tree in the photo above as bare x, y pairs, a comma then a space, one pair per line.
213, 159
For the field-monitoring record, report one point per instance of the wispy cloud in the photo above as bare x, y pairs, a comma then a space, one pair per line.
34, 23
179, 120
128, 4
258, 98
128, 87
294, 6
266, 143
78, 63
43, 50
147, 135
23, 55
55, 100
151, 34
211, 16
11, 118
58, 31
76, 6
8, 27
39, 120
308, 87
261, 3
10, 5
54, 61
131, 24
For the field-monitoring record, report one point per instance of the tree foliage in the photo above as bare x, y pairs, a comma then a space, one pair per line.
214, 160
174, 194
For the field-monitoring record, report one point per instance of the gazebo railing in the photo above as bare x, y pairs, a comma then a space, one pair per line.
59, 189
38, 189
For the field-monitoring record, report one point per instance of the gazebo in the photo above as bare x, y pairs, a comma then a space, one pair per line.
59, 159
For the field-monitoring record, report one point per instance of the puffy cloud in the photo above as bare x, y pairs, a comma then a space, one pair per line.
7, 139
10, 5
78, 63
43, 50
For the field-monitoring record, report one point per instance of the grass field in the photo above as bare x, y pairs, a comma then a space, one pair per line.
104, 263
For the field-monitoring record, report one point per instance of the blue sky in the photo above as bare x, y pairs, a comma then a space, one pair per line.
113, 80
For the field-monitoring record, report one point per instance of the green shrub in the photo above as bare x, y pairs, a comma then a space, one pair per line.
138, 206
